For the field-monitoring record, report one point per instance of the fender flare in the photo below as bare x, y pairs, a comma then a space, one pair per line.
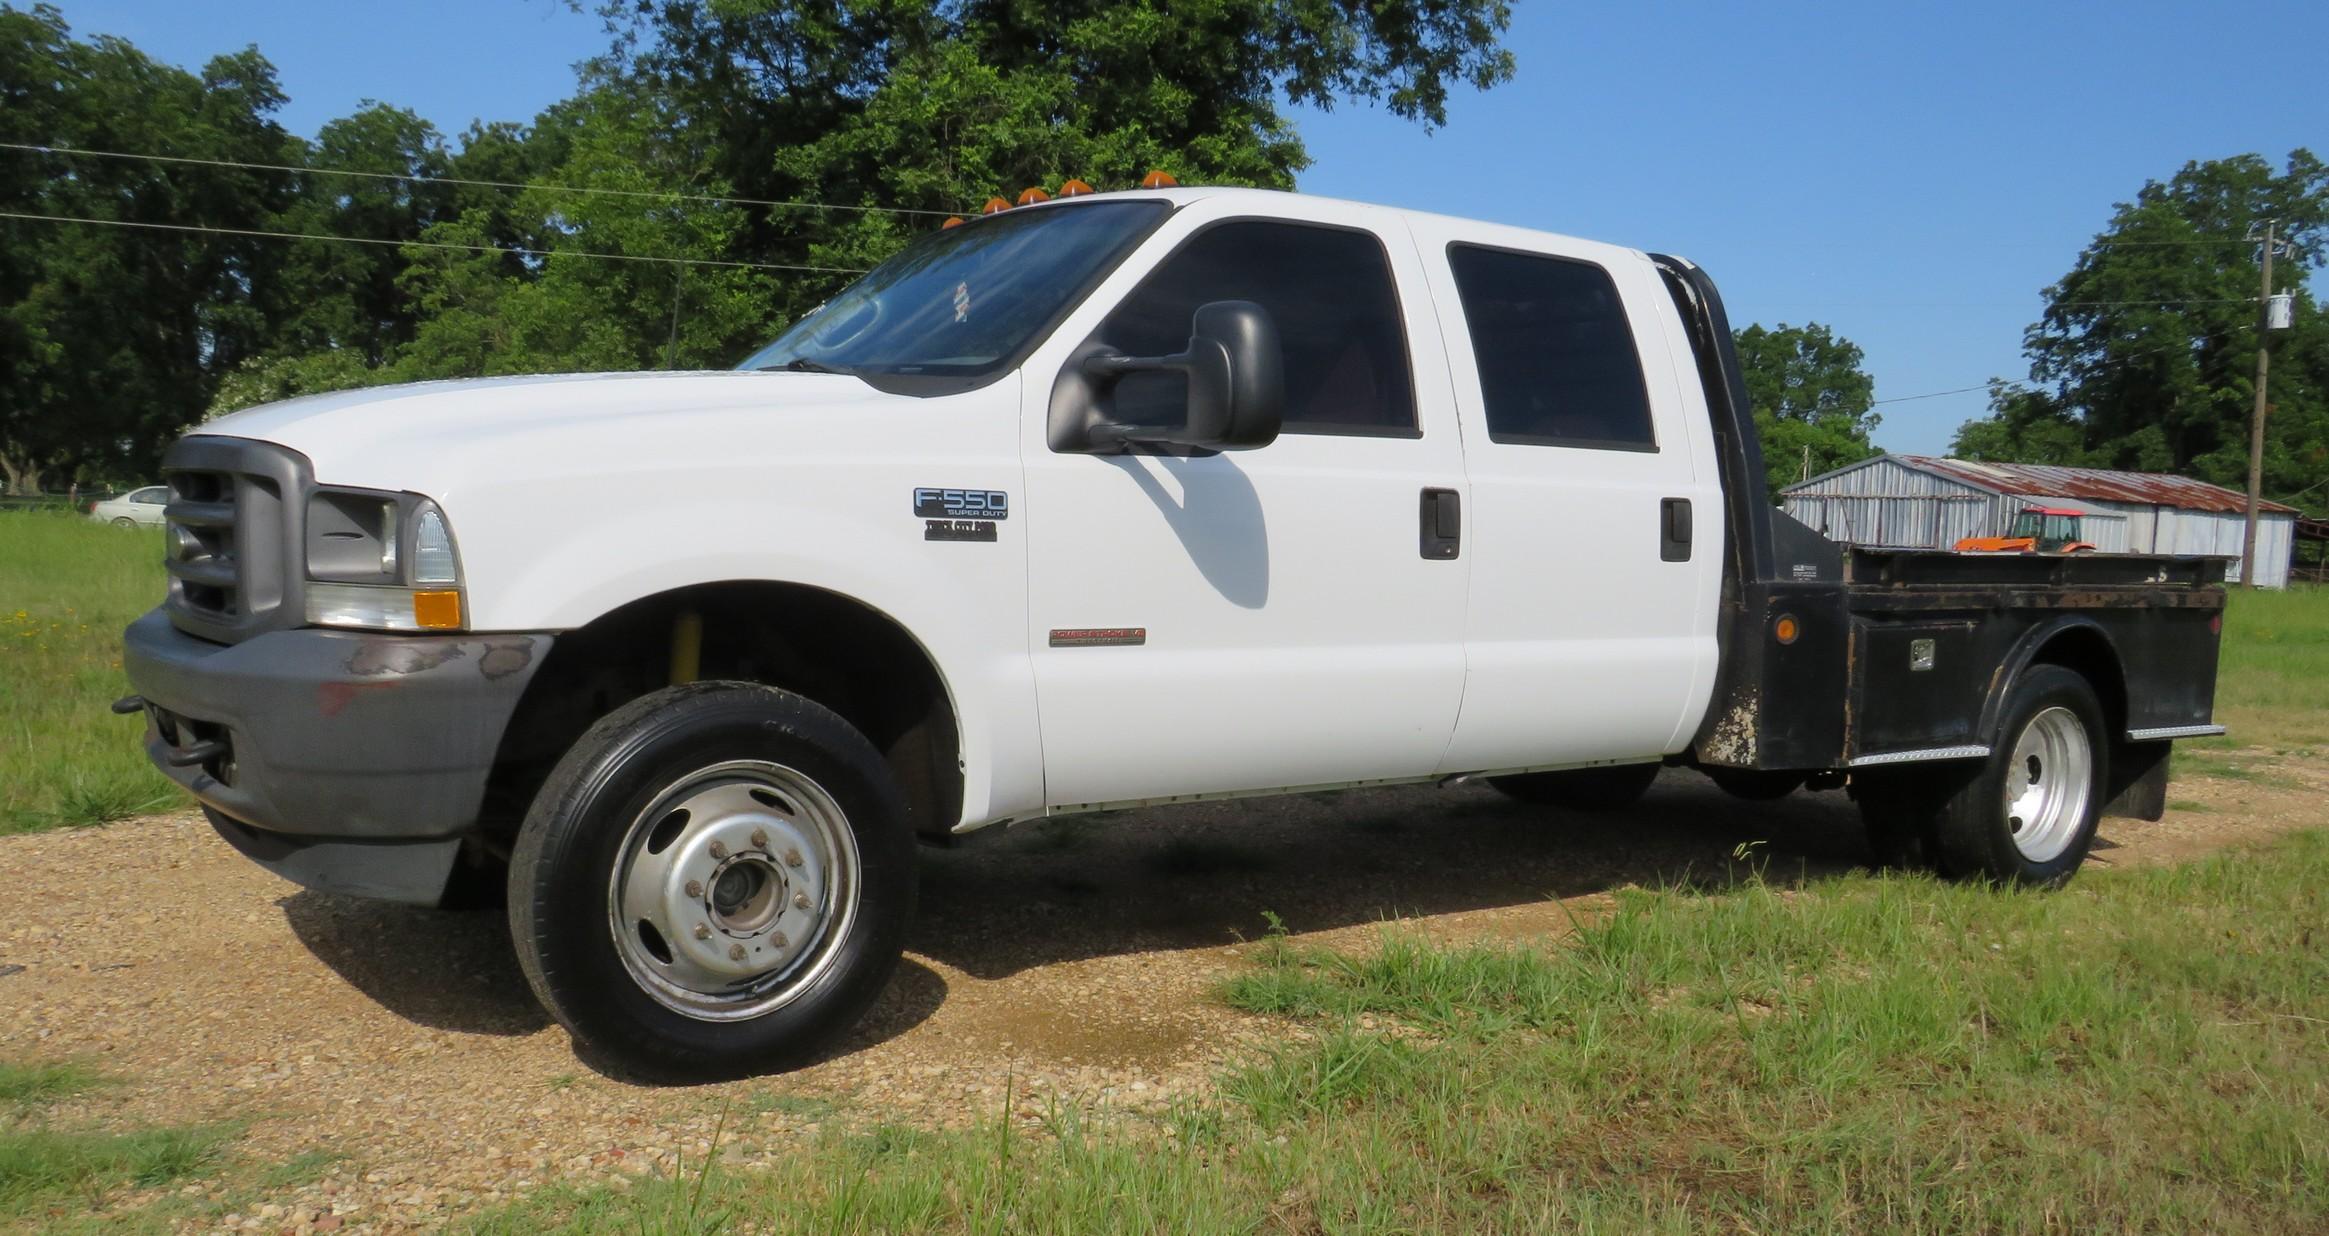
2025, 652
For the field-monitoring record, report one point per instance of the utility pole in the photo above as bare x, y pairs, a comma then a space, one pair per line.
2256, 419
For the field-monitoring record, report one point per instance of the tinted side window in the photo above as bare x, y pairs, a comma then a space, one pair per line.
1558, 366
150, 496
1331, 294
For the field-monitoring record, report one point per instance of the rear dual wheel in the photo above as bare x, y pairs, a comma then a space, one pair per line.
2026, 814
716, 880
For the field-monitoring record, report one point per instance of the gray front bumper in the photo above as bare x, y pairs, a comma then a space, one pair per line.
337, 743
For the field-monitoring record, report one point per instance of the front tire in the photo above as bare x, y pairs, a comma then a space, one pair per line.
716, 880
1582, 789
124, 521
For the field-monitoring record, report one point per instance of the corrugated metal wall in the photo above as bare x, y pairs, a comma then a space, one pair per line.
1889, 504
2218, 533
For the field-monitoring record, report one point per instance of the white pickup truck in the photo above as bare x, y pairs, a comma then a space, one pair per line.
1128, 498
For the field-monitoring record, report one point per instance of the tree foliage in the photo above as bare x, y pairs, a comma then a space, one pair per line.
1813, 403
2145, 358
112, 340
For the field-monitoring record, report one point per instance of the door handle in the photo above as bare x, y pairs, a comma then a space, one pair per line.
1674, 530
1442, 518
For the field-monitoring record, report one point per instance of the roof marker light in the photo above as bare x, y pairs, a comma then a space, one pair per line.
1074, 188
1030, 196
994, 205
956, 221
1158, 180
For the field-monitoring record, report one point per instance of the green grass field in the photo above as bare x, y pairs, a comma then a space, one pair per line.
2142, 1052
67, 588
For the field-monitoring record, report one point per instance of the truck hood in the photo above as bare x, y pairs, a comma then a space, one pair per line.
437, 437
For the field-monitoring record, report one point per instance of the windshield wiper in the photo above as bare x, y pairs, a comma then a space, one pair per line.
802, 364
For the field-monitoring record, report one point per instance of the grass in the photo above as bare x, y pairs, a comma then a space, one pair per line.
2144, 1051
67, 588
62, 1175
2269, 688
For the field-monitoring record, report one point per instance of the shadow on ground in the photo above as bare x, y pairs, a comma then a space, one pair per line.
1168, 878
1206, 874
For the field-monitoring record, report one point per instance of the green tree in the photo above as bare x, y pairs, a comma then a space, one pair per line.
112, 335
880, 103
1813, 402
2145, 358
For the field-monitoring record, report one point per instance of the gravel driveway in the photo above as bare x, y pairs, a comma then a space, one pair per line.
1073, 958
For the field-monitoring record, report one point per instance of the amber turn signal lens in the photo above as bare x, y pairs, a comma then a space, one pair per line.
1785, 630
437, 611
1074, 188
1158, 180
994, 204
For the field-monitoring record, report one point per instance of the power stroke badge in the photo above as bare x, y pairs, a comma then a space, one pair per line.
960, 514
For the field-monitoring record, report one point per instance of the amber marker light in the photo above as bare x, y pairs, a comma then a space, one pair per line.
1074, 188
994, 205
437, 611
956, 221
1158, 180
1785, 630
1030, 196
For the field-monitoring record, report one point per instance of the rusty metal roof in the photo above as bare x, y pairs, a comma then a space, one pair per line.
2093, 484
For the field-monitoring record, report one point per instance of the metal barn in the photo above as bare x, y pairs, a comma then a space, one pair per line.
1921, 502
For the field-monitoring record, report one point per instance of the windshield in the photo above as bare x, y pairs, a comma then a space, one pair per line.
964, 301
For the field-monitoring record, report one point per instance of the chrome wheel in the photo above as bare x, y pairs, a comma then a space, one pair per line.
733, 890
2048, 784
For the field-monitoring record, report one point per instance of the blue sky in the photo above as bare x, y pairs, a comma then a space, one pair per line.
1910, 174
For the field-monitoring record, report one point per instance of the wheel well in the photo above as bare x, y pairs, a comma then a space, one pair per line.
829, 648
2088, 653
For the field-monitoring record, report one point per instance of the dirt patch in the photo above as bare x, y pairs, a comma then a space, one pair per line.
1071, 959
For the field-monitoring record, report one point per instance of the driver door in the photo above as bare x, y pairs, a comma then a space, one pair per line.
1215, 623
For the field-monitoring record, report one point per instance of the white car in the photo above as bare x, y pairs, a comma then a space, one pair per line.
139, 508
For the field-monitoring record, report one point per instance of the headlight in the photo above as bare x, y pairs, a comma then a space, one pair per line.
382, 562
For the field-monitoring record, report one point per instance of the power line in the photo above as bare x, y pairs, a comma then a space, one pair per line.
1928, 395
431, 244
419, 178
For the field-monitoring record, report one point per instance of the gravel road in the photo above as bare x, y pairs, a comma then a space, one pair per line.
1073, 958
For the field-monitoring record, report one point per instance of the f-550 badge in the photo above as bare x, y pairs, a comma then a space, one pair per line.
962, 504
961, 514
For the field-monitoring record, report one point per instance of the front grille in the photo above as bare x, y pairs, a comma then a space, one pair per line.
233, 536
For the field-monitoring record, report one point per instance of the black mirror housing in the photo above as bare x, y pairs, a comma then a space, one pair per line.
1236, 372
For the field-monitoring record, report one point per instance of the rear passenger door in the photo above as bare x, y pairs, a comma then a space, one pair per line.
1596, 517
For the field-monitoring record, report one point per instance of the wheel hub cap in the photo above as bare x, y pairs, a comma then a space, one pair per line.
2048, 784
732, 889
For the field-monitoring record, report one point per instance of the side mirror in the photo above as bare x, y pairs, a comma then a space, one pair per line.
1237, 386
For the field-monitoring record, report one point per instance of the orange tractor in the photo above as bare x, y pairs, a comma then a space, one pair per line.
2037, 530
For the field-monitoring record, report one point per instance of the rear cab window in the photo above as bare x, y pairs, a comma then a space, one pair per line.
1556, 355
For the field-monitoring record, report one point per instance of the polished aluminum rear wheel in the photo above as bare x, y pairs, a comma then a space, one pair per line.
2048, 784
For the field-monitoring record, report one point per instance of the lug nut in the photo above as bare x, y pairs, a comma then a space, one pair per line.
735, 952
800, 901
703, 931
777, 940
792, 857
695, 888
718, 850
759, 839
